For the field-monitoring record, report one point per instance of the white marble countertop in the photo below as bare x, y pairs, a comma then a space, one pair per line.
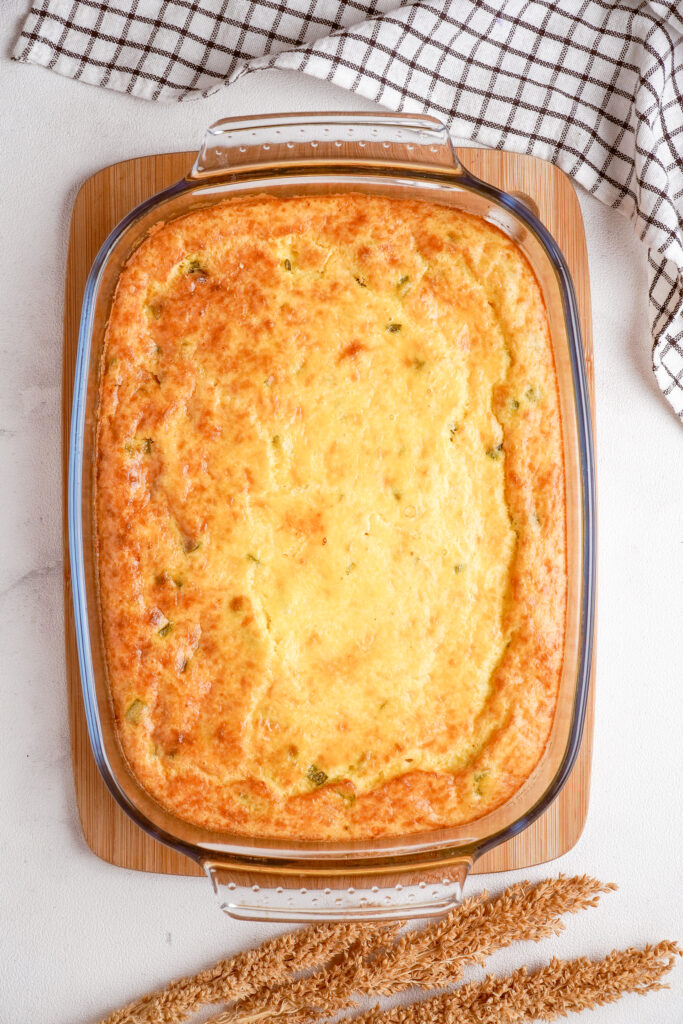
80, 937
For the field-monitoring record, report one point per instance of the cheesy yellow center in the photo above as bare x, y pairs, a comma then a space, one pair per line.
358, 541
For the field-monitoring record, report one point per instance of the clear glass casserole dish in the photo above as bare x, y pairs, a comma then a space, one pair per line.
396, 155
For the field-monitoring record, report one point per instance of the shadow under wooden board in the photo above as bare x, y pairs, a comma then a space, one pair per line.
102, 202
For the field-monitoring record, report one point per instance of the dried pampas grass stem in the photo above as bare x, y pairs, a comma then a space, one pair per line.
313, 973
564, 986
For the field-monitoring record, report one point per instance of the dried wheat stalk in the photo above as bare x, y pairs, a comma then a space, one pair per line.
431, 958
268, 964
564, 986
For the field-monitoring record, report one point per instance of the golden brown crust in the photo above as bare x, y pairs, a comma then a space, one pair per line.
331, 523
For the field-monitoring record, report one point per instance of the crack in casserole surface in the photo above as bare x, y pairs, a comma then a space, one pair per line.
331, 516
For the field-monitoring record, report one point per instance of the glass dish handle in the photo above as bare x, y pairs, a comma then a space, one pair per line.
238, 144
257, 897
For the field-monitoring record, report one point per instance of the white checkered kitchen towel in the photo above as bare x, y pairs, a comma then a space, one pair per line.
595, 86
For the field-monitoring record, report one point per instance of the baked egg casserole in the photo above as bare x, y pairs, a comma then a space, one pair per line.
330, 508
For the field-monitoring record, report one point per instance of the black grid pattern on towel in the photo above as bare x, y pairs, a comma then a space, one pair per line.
595, 86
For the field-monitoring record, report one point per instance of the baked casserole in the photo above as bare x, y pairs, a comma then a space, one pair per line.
331, 517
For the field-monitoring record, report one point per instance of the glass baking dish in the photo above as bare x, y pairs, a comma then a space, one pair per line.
396, 155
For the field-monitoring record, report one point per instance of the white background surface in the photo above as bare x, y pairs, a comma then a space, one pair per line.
79, 937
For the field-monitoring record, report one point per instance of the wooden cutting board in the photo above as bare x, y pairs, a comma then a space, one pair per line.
102, 201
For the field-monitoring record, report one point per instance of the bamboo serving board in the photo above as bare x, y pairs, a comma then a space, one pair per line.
102, 202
